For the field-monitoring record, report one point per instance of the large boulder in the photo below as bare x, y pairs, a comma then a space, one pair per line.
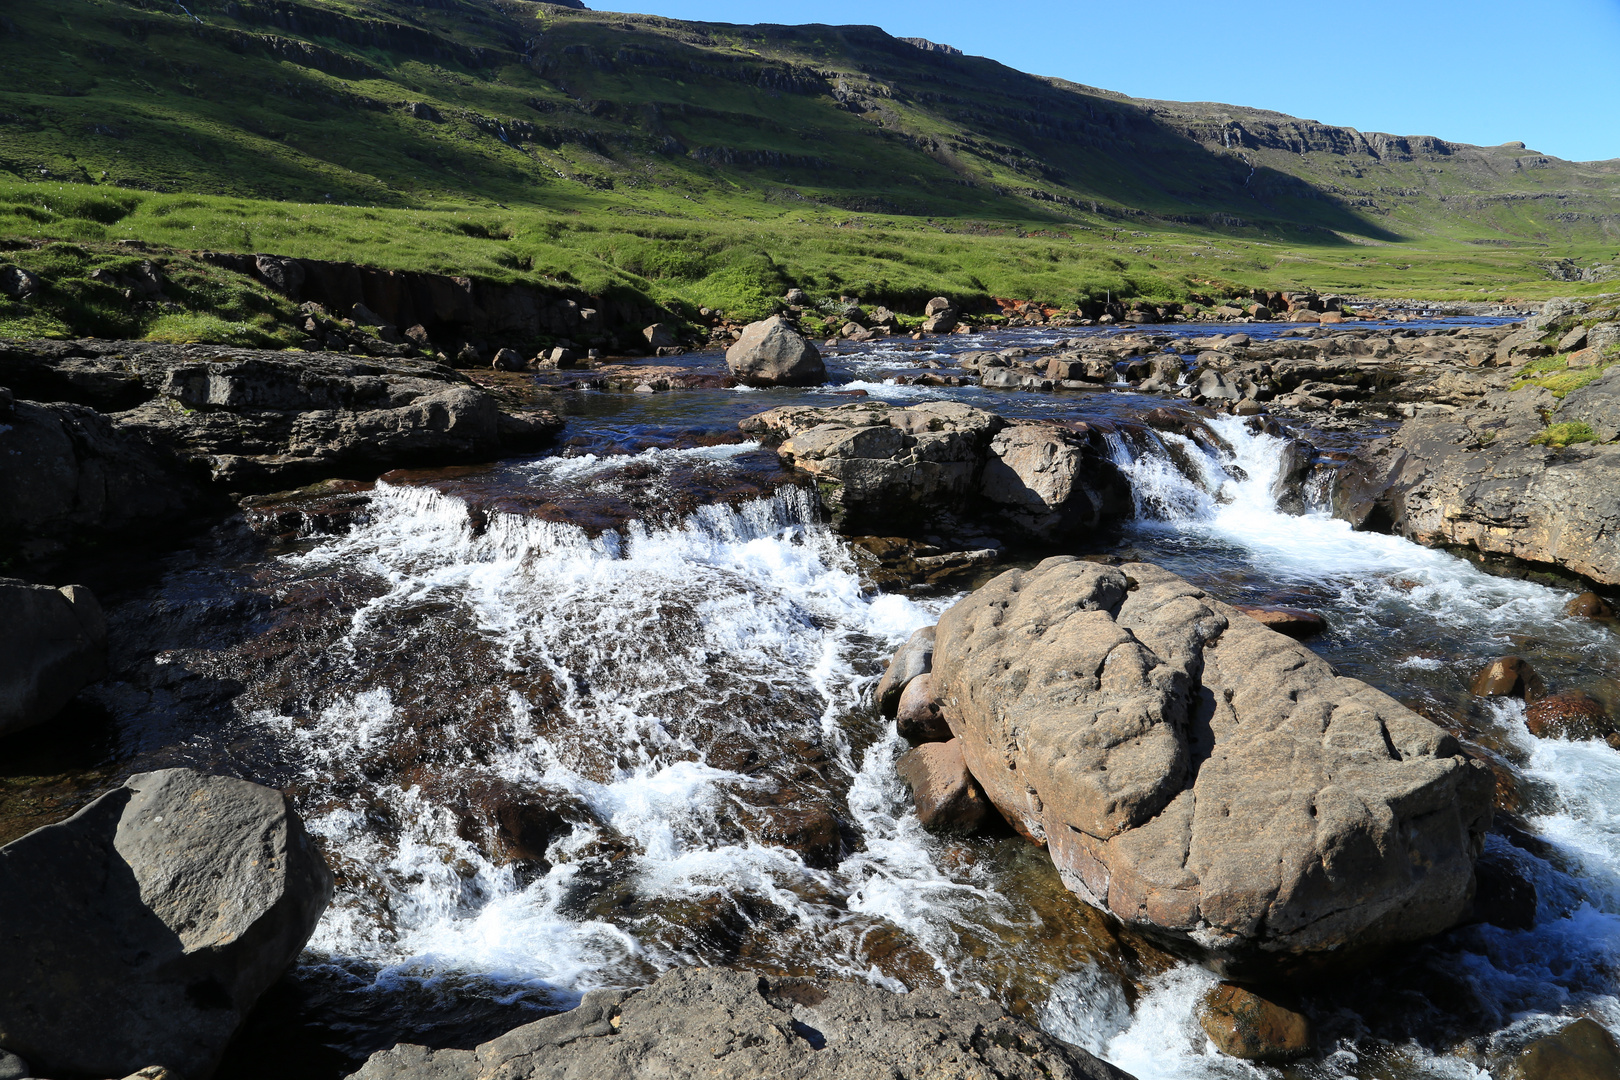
732, 1025
142, 930
1478, 479
1202, 777
877, 465
1048, 481
774, 353
53, 643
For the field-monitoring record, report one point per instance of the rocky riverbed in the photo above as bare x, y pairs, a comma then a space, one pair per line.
580, 691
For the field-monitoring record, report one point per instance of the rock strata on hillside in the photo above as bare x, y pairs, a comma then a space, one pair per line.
885, 469
1485, 478
119, 433
53, 643
141, 931
1202, 777
730, 1025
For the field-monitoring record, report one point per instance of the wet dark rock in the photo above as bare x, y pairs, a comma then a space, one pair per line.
897, 562
1570, 715
329, 508
1212, 783
799, 825
1582, 1051
508, 360
1243, 1024
142, 929
1589, 605
74, 476
947, 798
1295, 622
774, 353
729, 1025
1508, 676
53, 643
914, 658
1503, 895
918, 718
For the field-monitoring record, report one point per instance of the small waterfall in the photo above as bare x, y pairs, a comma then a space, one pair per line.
665, 682
1178, 481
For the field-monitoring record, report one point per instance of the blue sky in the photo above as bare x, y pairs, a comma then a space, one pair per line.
1487, 72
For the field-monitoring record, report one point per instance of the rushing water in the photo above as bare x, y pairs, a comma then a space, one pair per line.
654, 659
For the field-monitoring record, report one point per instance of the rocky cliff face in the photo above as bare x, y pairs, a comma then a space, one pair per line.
1520, 473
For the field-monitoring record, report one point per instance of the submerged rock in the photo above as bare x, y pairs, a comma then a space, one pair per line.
142, 930
1509, 676
1569, 715
731, 1025
1589, 605
1204, 779
1245, 1025
774, 353
53, 643
1295, 622
1582, 1051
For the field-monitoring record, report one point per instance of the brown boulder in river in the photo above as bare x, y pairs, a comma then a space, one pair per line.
1569, 715
1203, 778
1509, 676
1589, 605
1245, 1025
947, 797
1294, 622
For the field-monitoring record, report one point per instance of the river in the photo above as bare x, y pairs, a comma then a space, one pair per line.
650, 649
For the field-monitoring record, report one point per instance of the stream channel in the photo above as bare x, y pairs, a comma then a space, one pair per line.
647, 651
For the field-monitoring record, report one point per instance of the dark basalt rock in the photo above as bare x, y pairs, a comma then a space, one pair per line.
192, 422
141, 930
53, 643
730, 1025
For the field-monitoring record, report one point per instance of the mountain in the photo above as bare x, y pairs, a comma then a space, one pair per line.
587, 121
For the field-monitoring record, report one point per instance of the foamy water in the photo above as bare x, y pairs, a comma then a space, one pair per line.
752, 621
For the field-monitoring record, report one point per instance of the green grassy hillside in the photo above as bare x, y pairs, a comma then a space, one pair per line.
714, 164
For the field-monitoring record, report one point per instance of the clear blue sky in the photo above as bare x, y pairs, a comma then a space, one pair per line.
1545, 73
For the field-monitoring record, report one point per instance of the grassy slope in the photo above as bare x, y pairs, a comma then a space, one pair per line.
717, 164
